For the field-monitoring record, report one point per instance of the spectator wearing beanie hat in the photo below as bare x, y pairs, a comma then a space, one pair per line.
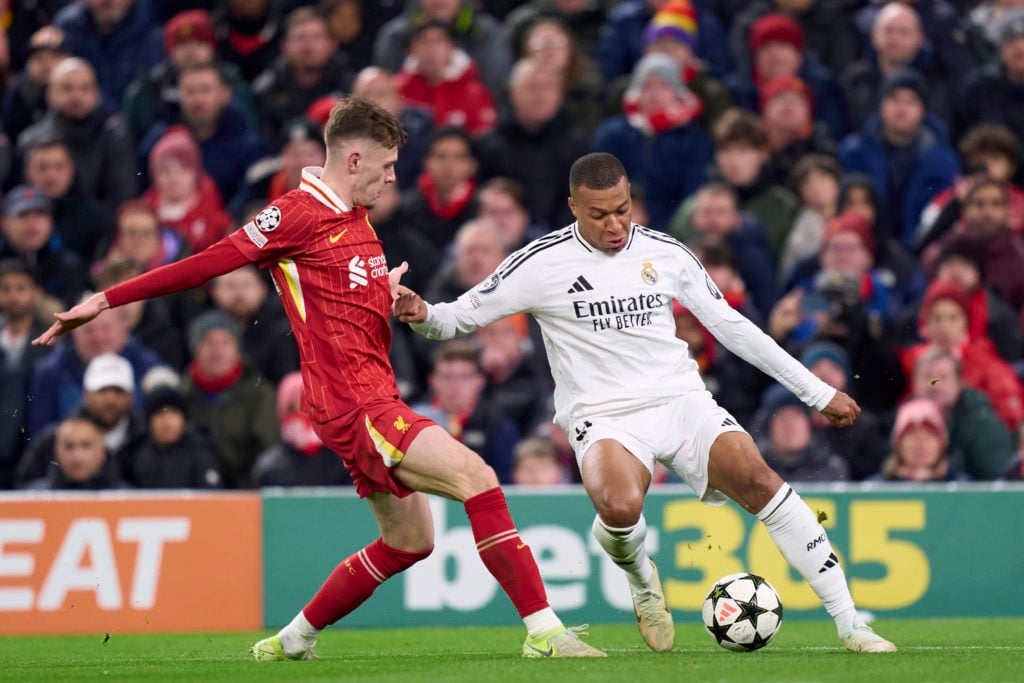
620, 43
787, 115
299, 458
174, 454
675, 31
227, 397
919, 443
183, 195
944, 323
658, 138
777, 49
827, 29
153, 97
862, 446
905, 151
789, 445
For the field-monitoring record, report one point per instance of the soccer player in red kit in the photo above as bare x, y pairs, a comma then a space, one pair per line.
329, 268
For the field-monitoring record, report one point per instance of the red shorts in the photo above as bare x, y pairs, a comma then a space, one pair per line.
371, 441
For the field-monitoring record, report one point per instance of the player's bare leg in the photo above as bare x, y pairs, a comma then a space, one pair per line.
406, 536
736, 468
436, 463
617, 483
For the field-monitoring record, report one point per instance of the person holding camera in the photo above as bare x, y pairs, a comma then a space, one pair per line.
847, 302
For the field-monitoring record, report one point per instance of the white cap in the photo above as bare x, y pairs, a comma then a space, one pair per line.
109, 370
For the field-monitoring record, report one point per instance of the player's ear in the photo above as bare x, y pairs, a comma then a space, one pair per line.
352, 161
572, 206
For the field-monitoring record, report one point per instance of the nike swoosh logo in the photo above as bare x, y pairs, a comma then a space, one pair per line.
520, 546
543, 653
335, 238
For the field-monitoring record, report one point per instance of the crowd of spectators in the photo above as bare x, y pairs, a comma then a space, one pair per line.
847, 170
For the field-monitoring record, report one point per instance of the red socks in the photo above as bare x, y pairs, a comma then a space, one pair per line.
504, 554
355, 579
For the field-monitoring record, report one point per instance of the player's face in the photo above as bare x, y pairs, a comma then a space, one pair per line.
374, 171
604, 216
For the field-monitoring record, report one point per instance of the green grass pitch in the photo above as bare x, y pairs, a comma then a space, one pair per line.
952, 650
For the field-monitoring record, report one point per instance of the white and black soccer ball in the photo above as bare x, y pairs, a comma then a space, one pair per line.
742, 612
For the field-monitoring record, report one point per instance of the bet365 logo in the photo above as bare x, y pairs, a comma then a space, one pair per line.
357, 273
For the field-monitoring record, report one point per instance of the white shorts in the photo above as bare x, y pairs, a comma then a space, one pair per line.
677, 433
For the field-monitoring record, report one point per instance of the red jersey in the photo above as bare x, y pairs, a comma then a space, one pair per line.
332, 277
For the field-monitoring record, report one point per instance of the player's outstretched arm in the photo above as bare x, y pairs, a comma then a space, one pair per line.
75, 317
842, 410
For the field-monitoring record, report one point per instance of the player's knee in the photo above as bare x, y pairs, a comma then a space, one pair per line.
474, 477
619, 510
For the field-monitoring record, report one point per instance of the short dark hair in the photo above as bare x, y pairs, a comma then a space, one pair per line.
513, 188
738, 126
456, 350
419, 28
982, 179
46, 142
14, 266
719, 187
358, 117
989, 138
215, 67
715, 253
809, 163
445, 132
300, 15
596, 171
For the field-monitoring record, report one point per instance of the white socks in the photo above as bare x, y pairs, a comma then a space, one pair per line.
626, 548
804, 544
539, 623
298, 636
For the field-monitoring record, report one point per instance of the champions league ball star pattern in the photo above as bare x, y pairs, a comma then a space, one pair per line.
742, 612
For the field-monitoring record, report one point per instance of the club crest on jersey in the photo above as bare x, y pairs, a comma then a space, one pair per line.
490, 284
648, 274
268, 219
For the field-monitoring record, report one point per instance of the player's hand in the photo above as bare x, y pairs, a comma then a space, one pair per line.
394, 275
76, 317
409, 307
842, 410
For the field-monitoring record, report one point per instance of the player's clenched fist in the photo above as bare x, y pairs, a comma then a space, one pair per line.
409, 307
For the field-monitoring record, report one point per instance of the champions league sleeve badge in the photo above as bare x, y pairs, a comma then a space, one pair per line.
268, 219
648, 274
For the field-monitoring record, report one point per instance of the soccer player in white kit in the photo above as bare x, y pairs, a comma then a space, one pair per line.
628, 393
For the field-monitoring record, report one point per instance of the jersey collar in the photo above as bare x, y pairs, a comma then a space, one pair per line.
312, 184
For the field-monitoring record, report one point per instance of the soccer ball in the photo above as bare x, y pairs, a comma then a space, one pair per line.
742, 612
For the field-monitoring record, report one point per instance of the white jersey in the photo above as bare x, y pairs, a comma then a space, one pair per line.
608, 325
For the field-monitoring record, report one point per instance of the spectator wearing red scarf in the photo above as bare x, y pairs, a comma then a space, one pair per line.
183, 195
